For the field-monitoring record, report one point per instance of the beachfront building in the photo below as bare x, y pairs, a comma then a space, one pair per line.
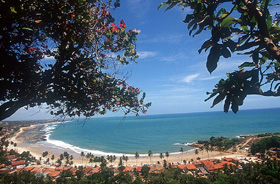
187, 168
156, 168
18, 163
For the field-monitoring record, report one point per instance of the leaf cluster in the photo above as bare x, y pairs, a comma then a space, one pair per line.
245, 27
64, 54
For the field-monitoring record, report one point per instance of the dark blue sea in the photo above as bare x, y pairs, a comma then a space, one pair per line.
159, 133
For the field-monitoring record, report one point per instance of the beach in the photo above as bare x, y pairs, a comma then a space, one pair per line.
33, 138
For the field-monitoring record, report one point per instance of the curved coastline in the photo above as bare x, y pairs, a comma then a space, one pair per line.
58, 143
36, 149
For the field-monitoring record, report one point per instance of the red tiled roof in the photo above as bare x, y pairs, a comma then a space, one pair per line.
74, 171
127, 169
182, 166
19, 162
28, 168
36, 169
208, 164
156, 168
48, 170
191, 167
96, 170
62, 168
11, 157
138, 169
87, 169
2, 165
54, 173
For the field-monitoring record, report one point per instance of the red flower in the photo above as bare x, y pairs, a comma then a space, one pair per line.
115, 27
122, 24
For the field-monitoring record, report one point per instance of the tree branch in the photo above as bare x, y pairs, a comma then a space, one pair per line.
265, 35
9, 108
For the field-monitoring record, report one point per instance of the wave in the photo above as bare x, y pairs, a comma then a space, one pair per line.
48, 129
183, 144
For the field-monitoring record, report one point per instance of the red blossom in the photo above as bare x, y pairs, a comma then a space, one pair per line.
122, 24
115, 27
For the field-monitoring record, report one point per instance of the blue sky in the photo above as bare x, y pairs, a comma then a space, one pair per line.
169, 69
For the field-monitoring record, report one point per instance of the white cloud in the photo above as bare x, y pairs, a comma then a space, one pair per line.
209, 78
190, 78
176, 57
146, 54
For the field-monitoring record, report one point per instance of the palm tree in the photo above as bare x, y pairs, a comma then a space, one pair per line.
150, 153
211, 149
167, 155
136, 156
161, 156
181, 150
125, 158
207, 150
201, 149
88, 156
196, 151
82, 155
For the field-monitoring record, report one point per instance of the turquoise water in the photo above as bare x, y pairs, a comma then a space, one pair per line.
159, 133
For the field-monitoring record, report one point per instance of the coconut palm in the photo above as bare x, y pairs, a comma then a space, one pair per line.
82, 155
201, 149
150, 153
196, 151
88, 155
161, 156
167, 155
207, 150
136, 156
181, 150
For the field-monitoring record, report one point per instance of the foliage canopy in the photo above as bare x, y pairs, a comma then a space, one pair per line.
243, 26
85, 46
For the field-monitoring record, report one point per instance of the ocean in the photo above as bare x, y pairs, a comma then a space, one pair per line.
158, 133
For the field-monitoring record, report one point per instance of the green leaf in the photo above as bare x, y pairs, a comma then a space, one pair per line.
221, 11
161, 5
234, 106
226, 105
246, 64
13, 10
205, 45
244, 28
226, 53
26, 28
227, 22
213, 58
269, 22
171, 6
117, 3
218, 99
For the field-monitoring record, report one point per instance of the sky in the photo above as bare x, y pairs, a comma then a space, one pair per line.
169, 70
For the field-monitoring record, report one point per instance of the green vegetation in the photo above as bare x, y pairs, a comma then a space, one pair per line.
81, 38
266, 172
221, 143
265, 144
268, 134
245, 27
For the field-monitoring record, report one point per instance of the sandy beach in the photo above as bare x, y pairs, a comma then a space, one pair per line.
30, 139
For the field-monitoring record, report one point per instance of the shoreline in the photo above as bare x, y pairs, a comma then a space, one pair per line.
36, 149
